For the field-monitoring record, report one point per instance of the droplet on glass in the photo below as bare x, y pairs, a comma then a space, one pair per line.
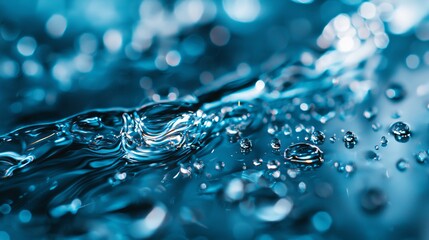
401, 131
350, 139
318, 137
304, 154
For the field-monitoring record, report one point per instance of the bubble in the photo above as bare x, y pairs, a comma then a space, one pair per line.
26, 46
384, 141
234, 190
372, 156
321, 221
318, 137
56, 25
350, 139
198, 165
5, 208
422, 157
376, 147
275, 144
350, 168
333, 139
376, 126
373, 200
25, 216
287, 130
242, 10
402, 165
273, 164
268, 207
370, 113
257, 162
4, 235
220, 36
245, 145
112, 39
173, 58
401, 131
272, 129
302, 187
220, 165
395, 92
305, 154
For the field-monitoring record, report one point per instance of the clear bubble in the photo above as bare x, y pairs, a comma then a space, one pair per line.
275, 144
287, 130
422, 157
304, 154
373, 200
318, 137
402, 165
350, 139
384, 141
395, 92
245, 145
25, 216
321, 221
401, 131
370, 113
220, 165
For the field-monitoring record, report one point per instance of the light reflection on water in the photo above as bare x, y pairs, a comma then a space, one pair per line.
305, 139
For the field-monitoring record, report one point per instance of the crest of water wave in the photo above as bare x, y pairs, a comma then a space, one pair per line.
169, 131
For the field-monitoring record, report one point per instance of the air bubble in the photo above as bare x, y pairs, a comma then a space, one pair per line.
350, 140
318, 137
395, 92
402, 165
401, 131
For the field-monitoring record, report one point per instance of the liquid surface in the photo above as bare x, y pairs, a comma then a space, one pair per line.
324, 139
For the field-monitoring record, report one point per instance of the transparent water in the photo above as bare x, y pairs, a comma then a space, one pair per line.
327, 143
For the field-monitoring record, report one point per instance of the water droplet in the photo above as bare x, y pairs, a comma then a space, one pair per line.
257, 162
350, 140
245, 145
395, 92
220, 165
321, 221
275, 144
422, 157
5, 209
267, 206
333, 139
305, 154
401, 131
203, 186
383, 141
402, 165
234, 190
350, 168
370, 113
287, 130
272, 129
198, 165
318, 137
373, 200
273, 164
25, 216
372, 156
376, 126
302, 187
376, 147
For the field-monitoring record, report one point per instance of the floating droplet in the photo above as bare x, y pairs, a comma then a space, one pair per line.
373, 200
198, 165
370, 113
350, 139
402, 165
304, 153
376, 126
422, 157
321, 221
257, 162
383, 141
220, 165
245, 145
401, 131
395, 92
287, 130
273, 164
275, 144
318, 137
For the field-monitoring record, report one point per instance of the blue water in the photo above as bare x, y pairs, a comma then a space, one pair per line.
324, 139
